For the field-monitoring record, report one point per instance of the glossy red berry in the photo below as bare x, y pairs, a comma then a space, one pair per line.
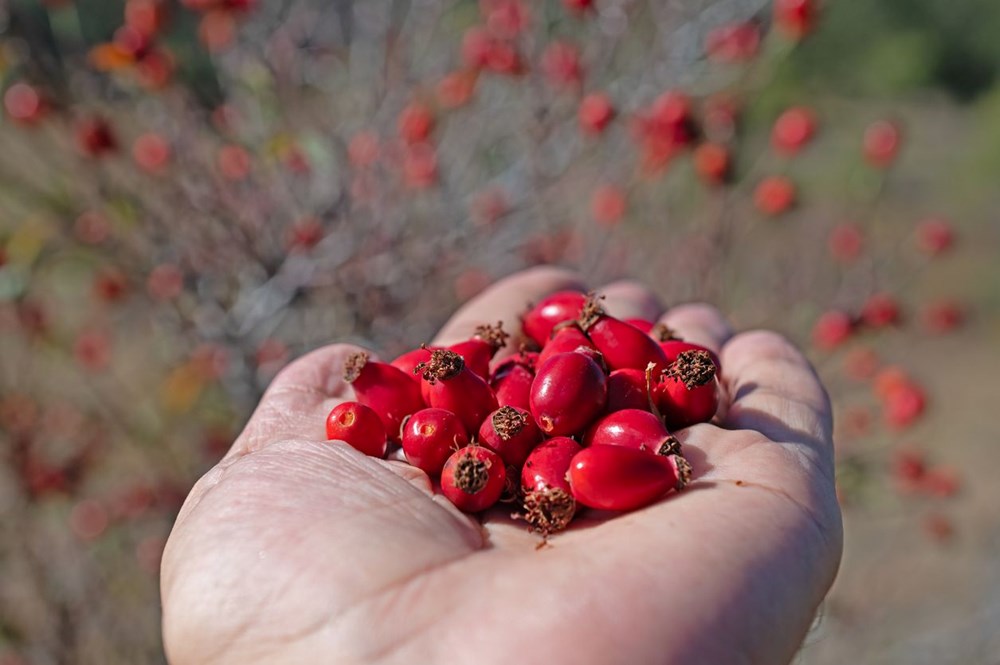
511, 433
430, 436
627, 390
793, 129
623, 346
478, 351
511, 380
539, 321
795, 18
712, 163
392, 394
620, 478
564, 339
407, 363
449, 384
688, 391
880, 310
473, 478
774, 195
934, 236
358, 426
881, 143
832, 329
633, 428
569, 391
548, 500
596, 113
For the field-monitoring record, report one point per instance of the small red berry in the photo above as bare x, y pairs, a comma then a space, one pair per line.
448, 383
620, 478
596, 113
24, 104
511, 433
846, 242
415, 124
942, 316
151, 152
473, 478
795, 18
633, 428
688, 391
561, 65
881, 143
622, 345
564, 339
627, 390
407, 363
95, 138
774, 195
478, 351
359, 426
551, 311
511, 380
793, 129
832, 329
880, 310
548, 500
712, 163
430, 436
569, 390
934, 236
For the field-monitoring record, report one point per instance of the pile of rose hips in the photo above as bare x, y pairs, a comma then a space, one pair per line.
584, 420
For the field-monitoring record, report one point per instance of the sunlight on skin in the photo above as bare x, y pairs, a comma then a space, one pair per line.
297, 550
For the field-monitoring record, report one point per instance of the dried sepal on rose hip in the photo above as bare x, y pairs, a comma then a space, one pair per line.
430, 436
478, 351
392, 394
623, 345
473, 478
539, 321
358, 426
548, 501
569, 391
620, 478
688, 391
511, 433
449, 384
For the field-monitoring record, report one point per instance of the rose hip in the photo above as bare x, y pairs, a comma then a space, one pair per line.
407, 363
620, 478
673, 346
449, 384
392, 394
478, 351
548, 501
358, 426
568, 337
633, 428
551, 311
473, 478
430, 436
511, 380
624, 346
688, 391
511, 433
568, 392
627, 390
644, 325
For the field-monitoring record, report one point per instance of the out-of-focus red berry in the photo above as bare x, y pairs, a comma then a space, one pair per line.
832, 329
110, 285
476, 46
420, 166
793, 129
234, 162
795, 18
505, 19
416, 122
217, 30
596, 113
880, 310
608, 205
904, 405
146, 16
578, 6
737, 42
881, 143
934, 236
151, 152
24, 103
774, 195
846, 242
711, 163
942, 316
94, 137
305, 234
456, 89
561, 65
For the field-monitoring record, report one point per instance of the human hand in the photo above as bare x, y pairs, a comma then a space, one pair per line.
294, 549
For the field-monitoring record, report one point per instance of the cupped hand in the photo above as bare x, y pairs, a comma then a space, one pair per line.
294, 549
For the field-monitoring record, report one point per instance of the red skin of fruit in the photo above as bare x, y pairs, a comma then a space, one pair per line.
563, 340
832, 329
632, 428
358, 426
568, 392
485, 495
407, 363
386, 389
430, 436
682, 406
551, 311
513, 387
627, 390
624, 346
513, 450
477, 354
464, 393
620, 478
674, 347
642, 324
548, 464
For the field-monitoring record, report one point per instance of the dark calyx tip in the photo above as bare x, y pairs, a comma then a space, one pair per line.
692, 368
495, 336
443, 365
549, 510
591, 311
353, 366
508, 422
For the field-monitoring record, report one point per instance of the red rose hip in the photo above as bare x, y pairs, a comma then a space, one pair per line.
430, 436
449, 384
358, 426
633, 428
511, 433
627, 390
619, 478
548, 501
623, 345
688, 392
392, 394
569, 391
473, 478
551, 311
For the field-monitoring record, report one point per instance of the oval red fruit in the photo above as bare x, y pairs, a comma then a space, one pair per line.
568, 392
551, 311
633, 428
548, 501
619, 478
688, 392
449, 384
358, 426
430, 436
391, 393
473, 478
511, 433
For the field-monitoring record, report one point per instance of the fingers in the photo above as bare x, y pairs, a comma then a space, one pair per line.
630, 300
298, 399
506, 301
700, 324
775, 391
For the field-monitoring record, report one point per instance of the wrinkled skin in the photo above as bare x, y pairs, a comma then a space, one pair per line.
297, 550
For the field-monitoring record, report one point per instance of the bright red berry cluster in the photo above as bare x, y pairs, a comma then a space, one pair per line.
581, 415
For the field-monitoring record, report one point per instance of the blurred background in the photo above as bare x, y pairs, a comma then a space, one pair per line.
194, 192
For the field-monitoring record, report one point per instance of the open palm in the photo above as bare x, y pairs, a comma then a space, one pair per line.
298, 550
